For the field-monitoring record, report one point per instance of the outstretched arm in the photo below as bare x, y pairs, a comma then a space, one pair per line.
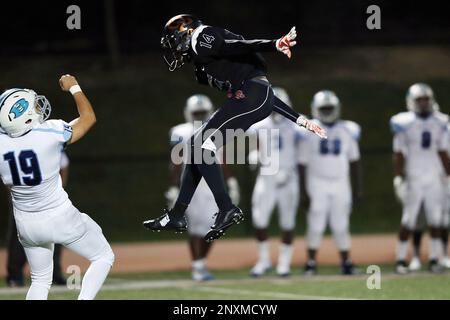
87, 119
242, 46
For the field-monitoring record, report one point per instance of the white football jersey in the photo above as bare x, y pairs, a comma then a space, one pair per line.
287, 144
420, 140
181, 134
30, 166
329, 158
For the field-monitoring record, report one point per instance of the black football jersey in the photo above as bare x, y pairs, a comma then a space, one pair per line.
224, 60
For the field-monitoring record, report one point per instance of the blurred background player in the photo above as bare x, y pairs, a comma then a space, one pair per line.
279, 190
327, 170
16, 258
199, 214
421, 167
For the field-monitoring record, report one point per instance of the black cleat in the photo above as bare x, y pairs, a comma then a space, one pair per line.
401, 267
348, 268
224, 220
15, 283
167, 222
435, 267
310, 268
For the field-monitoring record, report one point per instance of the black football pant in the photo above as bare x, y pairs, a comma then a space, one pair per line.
239, 112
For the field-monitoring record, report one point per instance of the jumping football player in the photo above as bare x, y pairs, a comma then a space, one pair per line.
198, 109
30, 157
280, 189
230, 63
329, 172
420, 145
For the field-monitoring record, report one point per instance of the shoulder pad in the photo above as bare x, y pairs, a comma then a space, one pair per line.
353, 128
441, 117
401, 121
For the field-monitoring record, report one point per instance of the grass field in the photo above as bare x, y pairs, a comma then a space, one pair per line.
237, 285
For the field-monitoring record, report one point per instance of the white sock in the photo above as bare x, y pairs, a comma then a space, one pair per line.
93, 279
435, 248
198, 264
38, 292
285, 255
264, 255
402, 250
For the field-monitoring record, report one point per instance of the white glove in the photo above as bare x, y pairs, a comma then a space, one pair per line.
285, 43
282, 177
312, 126
171, 195
233, 190
253, 159
400, 188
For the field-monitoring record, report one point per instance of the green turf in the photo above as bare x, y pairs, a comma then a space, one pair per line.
237, 285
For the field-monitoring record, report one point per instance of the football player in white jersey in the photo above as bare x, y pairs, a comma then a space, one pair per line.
199, 214
30, 156
279, 190
421, 165
328, 171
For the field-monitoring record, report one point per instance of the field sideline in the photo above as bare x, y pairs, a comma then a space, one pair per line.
235, 285
160, 270
232, 254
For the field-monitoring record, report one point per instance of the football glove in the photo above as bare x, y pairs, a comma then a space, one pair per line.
233, 190
312, 126
400, 188
285, 43
171, 195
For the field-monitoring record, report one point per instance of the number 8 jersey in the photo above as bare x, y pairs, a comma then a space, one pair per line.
419, 140
30, 166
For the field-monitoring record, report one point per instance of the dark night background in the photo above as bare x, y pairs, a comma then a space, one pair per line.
119, 172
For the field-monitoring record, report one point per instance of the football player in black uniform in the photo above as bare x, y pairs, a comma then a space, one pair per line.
230, 63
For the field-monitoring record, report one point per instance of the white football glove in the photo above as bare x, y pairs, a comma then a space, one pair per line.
233, 190
400, 188
285, 43
312, 126
253, 159
282, 177
171, 195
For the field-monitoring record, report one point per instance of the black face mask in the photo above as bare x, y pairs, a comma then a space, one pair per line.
176, 49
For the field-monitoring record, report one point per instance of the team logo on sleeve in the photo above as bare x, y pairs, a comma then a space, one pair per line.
18, 108
209, 40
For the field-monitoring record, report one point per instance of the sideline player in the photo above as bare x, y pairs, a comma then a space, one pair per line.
197, 110
230, 63
16, 259
328, 171
279, 190
30, 156
421, 166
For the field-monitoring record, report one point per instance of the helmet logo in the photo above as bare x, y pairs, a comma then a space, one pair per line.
18, 109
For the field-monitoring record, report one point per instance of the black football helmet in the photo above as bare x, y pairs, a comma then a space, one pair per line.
176, 39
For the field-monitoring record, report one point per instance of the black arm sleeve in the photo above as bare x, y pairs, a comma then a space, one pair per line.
237, 47
286, 111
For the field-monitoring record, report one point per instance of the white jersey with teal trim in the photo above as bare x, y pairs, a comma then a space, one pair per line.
419, 140
30, 166
329, 158
287, 144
